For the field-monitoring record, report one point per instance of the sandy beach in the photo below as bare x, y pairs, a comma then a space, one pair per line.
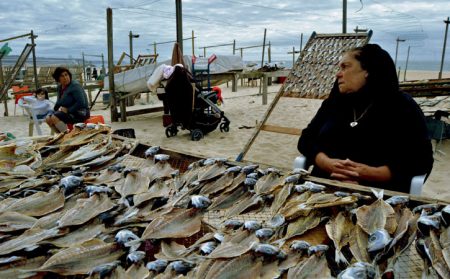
245, 110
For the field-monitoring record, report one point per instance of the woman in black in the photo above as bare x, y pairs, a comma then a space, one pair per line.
71, 104
367, 131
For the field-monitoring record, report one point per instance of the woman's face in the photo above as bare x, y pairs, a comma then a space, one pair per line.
64, 78
351, 77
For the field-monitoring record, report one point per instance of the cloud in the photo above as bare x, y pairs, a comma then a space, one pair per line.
68, 28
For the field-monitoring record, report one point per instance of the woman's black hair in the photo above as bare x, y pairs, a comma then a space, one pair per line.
41, 89
58, 72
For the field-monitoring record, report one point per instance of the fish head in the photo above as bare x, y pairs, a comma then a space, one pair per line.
233, 224
151, 151
207, 247
124, 236
104, 270
426, 223
317, 249
249, 168
157, 266
445, 215
252, 225
136, 256
276, 221
181, 267
198, 201
300, 246
161, 158
378, 240
359, 270
398, 200
264, 233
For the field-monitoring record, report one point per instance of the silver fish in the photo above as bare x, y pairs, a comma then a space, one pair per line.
264, 233
253, 175
445, 215
219, 237
233, 224
265, 249
426, 223
97, 189
292, 178
273, 170
151, 151
136, 256
157, 266
300, 171
252, 225
276, 221
207, 247
210, 161
250, 181
234, 169
378, 240
341, 194
318, 249
300, 245
428, 208
249, 168
359, 270
69, 183
80, 126
124, 236
397, 200
161, 157
175, 173
198, 201
181, 267
104, 269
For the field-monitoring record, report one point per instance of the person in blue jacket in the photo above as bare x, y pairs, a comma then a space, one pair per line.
367, 131
71, 104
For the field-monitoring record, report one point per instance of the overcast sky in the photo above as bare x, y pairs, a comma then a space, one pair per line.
68, 28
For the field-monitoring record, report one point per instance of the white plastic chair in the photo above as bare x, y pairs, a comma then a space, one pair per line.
34, 121
416, 186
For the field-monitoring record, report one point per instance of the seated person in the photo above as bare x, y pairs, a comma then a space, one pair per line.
367, 131
71, 105
39, 103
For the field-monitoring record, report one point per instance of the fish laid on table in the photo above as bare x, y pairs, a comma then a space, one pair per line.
38, 204
313, 267
268, 183
244, 267
161, 169
378, 215
22, 268
211, 171
238, 244
281, 195
176, 224
223, 182
13, 221
85, 210
79, 236
135, 183
28, 239
303, 224
83, 258
339, 230
159, 189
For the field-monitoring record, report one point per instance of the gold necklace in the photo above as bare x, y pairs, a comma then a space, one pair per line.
354, 123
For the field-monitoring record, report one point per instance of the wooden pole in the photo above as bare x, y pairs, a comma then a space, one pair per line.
33, 51
443, 49
154, 48
234, 47
179, 10
406, 66
112, 97
269, 50
193, 53
264, 48
344, 16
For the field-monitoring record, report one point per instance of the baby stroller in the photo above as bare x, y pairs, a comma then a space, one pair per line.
192, 106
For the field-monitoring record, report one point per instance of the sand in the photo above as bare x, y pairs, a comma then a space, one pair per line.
244, 108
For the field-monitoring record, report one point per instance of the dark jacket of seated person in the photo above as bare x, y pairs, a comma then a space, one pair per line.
75, 100
367, 131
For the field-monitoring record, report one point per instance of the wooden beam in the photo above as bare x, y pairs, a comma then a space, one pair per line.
143, 111
281, 130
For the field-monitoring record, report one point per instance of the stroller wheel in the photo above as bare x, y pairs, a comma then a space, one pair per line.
224, 127
196, 135
171, 131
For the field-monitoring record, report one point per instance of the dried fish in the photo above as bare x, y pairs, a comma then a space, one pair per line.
317, 249
232, 224
276, 221
359, 270
136, 256
157, 265
378, 240
339, 230
13, 221
176, 224
398, 200
180, 267
29, 238
300, 246
265, 249
151, 151
264, 233
309, 186
252, 225
104, 270
378, 215
82, 259
268, 183
198, 201
36, 205
92, 189
208, 247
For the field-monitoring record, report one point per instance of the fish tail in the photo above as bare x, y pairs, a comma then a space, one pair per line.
340, 258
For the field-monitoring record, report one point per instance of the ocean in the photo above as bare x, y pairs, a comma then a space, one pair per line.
46, 61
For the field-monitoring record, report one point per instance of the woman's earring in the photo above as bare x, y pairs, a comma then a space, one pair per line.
366, 75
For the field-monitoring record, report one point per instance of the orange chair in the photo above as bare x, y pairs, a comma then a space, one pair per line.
20, 92
96, 119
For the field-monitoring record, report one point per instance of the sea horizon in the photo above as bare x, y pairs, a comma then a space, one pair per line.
52, 61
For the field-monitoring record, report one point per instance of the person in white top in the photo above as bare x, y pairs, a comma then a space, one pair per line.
39, 103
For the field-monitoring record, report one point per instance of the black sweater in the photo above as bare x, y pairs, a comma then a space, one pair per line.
392, 133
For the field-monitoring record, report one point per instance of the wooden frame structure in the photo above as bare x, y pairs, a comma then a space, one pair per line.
312, 76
